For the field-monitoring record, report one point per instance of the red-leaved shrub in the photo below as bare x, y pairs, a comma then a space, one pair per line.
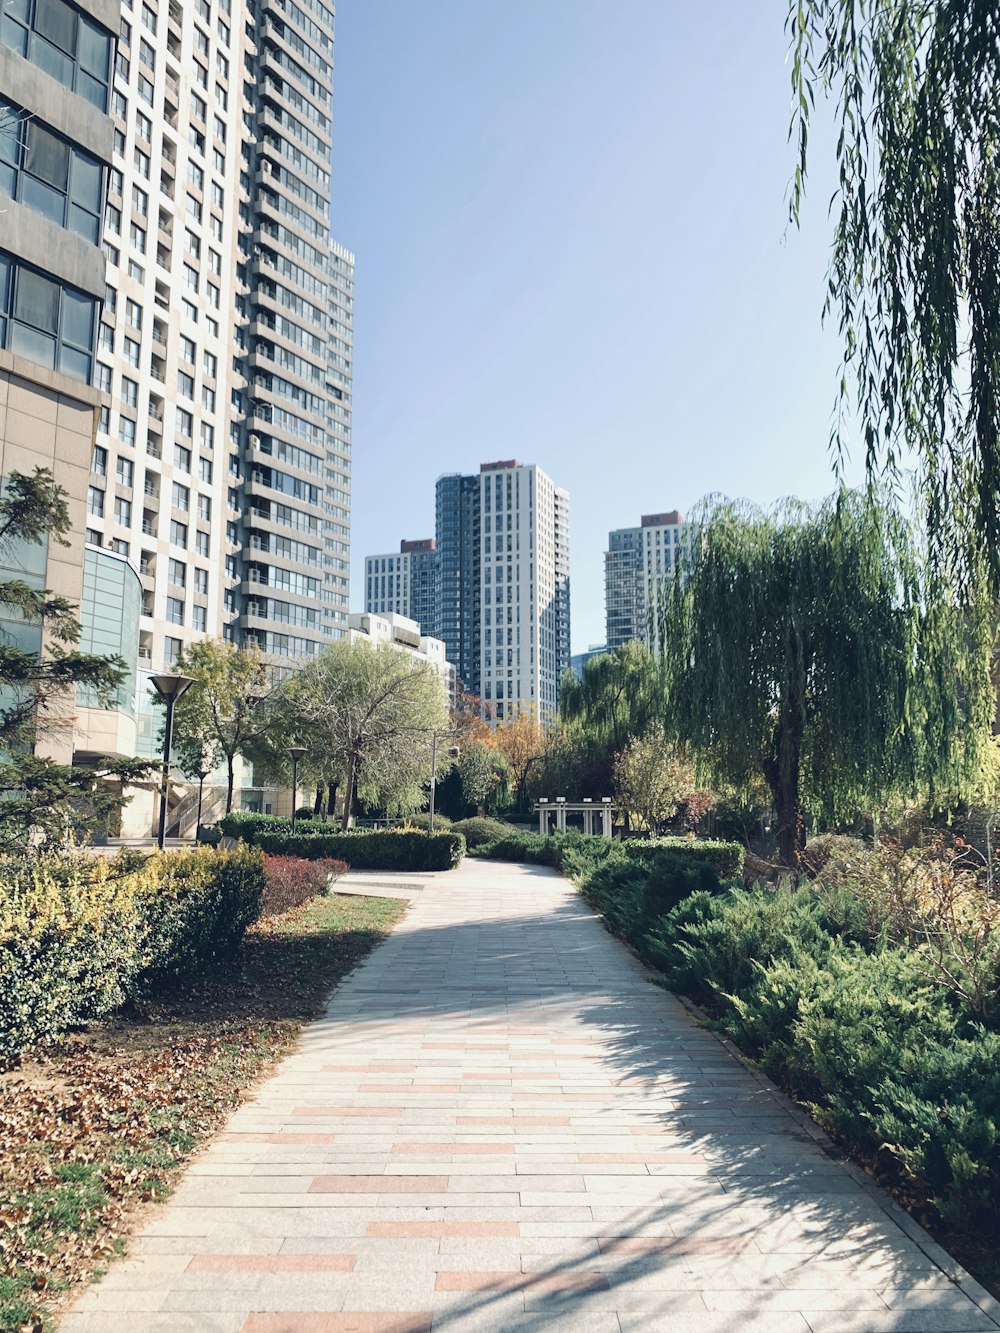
292, 881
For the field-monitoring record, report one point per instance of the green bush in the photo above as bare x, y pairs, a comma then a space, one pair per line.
616, 889
529, 847
194, 908
246, 824
573, 852
80, 935
725, 858
422, 820
68, 946
392, 849
480, 830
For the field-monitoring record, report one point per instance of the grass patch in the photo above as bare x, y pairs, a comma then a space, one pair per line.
92, 1131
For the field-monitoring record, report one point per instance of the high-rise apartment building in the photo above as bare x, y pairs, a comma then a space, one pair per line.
218, 496
458, 535
637, 562
524, 629
501, 574
55, 151
226, 347
404, 583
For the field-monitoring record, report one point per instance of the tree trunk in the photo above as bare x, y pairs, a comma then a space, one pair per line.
230, 771
781, 771
349, 792
331, 801
318, 802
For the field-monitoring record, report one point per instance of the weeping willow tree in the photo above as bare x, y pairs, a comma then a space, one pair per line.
616, 696
815, 648
915, 271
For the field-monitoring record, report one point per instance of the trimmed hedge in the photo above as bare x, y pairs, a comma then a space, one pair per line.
377, 850
725, 858
80, 935
246, 824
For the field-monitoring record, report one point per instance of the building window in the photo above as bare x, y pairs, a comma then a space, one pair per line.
123, 511
201, 581
175, 611
49, 175
180, 497
99, 461
64, 43
199, 618
51, 325
95, 502
178, 534
172, 649
177, 573
182, 458
125, 471
201, 543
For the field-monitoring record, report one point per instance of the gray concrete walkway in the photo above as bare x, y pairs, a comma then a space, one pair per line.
501, 1124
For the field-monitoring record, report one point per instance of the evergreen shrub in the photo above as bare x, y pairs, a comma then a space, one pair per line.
80, 935
725, 858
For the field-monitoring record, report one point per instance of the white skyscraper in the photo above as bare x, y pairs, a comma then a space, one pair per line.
636, 565
497, 577
524, 589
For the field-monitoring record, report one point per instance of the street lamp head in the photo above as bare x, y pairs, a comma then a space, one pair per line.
201, 774
296, 752
454, 751
170, 686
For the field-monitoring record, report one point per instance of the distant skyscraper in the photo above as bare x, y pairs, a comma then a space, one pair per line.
403, 583
457, 530
500, 585
635, 565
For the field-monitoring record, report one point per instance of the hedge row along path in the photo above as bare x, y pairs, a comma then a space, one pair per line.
500, 1124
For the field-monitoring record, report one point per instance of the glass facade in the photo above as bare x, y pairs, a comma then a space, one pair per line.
109, 621
457, 537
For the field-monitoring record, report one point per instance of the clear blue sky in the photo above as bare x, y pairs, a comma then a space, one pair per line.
570, 225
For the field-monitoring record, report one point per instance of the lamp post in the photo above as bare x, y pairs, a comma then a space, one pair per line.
295, 753
454, 752
201, 774
170, 686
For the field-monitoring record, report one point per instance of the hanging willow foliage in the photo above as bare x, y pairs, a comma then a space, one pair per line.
915, 271
815, 648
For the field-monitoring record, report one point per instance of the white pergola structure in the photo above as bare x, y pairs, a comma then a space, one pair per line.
596, 815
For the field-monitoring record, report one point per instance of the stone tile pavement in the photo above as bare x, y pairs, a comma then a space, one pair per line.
501, 1124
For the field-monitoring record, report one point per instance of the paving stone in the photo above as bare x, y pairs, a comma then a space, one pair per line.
498, 1124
